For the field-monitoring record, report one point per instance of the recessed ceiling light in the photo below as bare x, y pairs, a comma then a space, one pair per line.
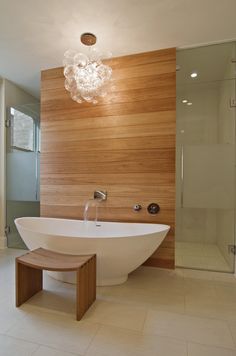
184, 101
193, 74
189, 103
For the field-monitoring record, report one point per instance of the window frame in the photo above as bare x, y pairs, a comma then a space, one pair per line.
18, 148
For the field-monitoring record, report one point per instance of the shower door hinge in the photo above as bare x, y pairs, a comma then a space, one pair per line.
8, 123
232, 103
7, 230
232, 249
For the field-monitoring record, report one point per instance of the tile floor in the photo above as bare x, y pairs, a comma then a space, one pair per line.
200, 255
156, 312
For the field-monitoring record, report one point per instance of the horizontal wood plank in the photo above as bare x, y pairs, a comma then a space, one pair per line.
125, 144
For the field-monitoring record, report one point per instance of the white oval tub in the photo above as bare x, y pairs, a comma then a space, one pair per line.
120, 247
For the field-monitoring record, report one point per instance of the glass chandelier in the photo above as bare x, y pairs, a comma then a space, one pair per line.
87, 78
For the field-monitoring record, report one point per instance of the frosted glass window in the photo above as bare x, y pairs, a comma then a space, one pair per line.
23, 131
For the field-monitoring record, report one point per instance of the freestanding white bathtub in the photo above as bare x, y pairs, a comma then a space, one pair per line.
120, 247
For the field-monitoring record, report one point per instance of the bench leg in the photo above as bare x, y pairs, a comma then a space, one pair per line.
82, 291
92, 280
29, 281
86, 287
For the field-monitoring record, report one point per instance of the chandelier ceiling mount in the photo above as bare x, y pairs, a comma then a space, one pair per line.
88, 39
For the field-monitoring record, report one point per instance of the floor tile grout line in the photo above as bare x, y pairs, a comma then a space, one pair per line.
13, 325
33, 353
230, 330
26, 341
183, 278
93, 338
140, 332
144, 321
207, 345
36, 343
54, 348
22, 339
184, 340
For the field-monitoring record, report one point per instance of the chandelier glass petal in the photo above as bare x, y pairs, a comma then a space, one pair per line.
87, 78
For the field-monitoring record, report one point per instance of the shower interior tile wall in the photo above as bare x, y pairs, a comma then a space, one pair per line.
206, 129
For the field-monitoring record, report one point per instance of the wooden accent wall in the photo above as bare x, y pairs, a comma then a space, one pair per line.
125, 145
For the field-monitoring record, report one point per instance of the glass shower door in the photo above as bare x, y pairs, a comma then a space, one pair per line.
205, 211
22, 169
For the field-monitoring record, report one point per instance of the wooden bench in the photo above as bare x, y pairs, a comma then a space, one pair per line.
29, 276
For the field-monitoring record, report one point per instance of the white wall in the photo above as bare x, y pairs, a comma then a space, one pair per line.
10, 95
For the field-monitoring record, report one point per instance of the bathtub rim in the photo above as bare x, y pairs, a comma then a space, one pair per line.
163, 228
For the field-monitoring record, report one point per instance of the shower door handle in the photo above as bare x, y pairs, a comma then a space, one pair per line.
182, 178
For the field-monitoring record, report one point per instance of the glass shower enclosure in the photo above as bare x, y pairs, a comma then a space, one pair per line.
22, 168
205, 157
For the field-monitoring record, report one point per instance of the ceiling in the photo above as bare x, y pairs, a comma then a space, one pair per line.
34, 34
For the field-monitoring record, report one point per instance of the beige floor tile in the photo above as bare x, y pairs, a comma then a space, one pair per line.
210, 308
195, 261
226, 294
55, 300
54, 330
197, 274
200, 288
120, 342
218, 263
52, 283
232, 326
200, 255
117, 314
211, 250
200, 330
182, 306
9, 346
162, 300
46, 351
203, 350
9, 315
170, 284
224, 277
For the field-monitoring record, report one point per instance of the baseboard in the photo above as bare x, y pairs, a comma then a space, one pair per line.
3, 242
160, 263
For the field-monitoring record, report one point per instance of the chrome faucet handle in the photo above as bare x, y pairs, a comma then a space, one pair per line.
100, 194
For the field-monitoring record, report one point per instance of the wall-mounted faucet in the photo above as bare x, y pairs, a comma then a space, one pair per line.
98, 197
100, 194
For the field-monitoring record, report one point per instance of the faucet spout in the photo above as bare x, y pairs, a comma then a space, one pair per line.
99, 196
92, 203
89, 202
